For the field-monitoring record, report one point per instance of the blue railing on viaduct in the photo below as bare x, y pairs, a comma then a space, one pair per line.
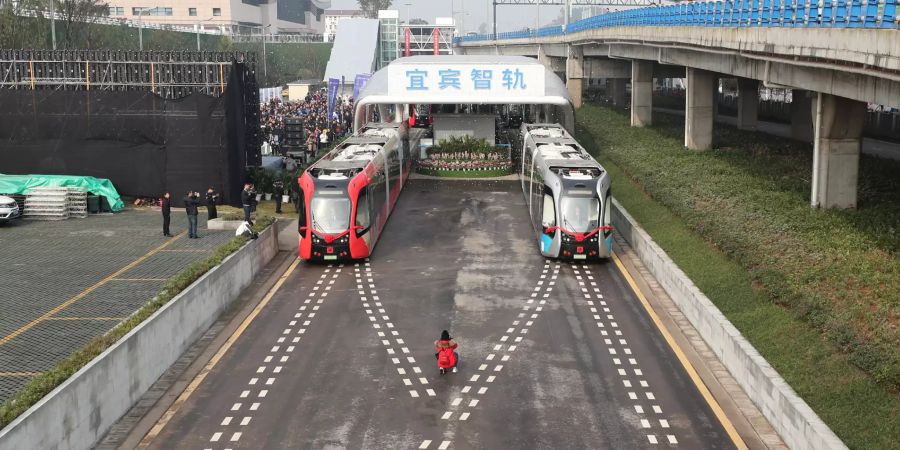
738, 13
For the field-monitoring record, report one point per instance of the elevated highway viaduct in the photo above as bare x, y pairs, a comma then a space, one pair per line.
833, 67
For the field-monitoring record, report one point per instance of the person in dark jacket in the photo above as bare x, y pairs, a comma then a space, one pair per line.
247, 199
277, 192
446, 355
166, 205
191, 201
212, 197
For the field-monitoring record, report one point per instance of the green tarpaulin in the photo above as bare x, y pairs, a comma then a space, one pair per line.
20, 184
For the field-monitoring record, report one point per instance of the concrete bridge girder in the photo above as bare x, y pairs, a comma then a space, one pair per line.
876, 48
856, 86
606, 68
530, 50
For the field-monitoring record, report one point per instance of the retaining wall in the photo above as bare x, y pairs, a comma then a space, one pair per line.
792, 418
78, 413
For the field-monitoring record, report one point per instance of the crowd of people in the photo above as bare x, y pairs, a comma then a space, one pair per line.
319, 129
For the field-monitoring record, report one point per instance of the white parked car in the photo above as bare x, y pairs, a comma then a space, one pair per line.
9, 209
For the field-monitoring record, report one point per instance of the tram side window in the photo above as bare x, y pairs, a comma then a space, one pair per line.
301, 223
363, 215
394, 169
549, 214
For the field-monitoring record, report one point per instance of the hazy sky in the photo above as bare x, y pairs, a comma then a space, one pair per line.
476, 12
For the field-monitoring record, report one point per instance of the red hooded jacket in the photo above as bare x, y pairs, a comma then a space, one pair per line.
446, 346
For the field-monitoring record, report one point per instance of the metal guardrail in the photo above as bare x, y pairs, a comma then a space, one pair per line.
107, 20
579, 2
277, 38
866, 14
219, 30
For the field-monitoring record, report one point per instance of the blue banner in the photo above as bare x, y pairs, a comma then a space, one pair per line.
361, 80
332, 95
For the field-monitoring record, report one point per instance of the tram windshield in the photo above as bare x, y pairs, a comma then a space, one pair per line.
330, 215
580, 214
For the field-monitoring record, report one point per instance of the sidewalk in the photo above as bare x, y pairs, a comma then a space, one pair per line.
67, 282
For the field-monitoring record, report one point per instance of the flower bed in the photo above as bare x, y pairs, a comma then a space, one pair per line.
464, 165
467, 157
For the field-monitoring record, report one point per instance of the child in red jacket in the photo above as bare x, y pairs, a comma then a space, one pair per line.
446, 355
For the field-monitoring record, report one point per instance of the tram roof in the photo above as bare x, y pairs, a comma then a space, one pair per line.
467, 79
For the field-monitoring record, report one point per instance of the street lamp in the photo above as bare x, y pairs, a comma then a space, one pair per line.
141, 25
53, 22
198, 31
265, 68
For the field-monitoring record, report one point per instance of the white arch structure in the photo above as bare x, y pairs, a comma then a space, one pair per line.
466, 79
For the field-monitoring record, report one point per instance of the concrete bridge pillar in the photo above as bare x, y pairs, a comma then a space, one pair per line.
748, 104
617, 91
575, 73
801, 116
698, 118
641, 93
838, 139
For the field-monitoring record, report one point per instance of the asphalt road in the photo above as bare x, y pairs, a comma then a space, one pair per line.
553, 355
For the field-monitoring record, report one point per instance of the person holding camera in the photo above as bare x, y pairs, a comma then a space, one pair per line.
212, 197
191, 201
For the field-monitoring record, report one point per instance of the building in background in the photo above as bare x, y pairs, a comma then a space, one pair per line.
392, 37
388, 36
298, 90
230, 16
333, 16
428, 39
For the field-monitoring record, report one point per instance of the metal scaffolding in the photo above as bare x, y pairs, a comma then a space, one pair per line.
169, 74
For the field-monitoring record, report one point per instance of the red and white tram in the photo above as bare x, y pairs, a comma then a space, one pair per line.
349, 193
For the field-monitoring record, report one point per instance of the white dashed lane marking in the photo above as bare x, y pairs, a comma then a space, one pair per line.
531, 309
384, 328
605, 322
503, 349
330, 274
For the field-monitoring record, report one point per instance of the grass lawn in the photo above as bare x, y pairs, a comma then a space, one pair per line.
816, 292
263, 208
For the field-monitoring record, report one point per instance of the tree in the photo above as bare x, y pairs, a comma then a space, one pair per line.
19, 31
370, 8
483, 28
418, 22
78, 18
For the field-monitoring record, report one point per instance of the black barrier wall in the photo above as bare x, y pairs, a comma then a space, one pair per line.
144, 144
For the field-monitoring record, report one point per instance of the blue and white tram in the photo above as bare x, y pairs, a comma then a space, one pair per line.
567, 193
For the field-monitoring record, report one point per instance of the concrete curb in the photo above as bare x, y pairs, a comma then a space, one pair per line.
79, 411
222, 224
789, 415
